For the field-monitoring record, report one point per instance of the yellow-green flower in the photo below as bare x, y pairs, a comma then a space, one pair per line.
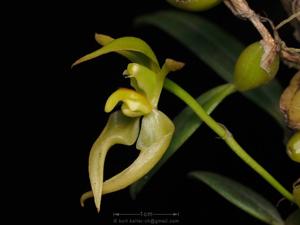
138, 120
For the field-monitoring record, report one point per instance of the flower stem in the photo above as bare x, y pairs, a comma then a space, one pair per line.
226, 136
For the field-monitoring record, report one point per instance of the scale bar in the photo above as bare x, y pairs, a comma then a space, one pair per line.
146, 214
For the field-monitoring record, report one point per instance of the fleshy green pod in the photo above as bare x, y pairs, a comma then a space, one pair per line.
194, 5
248, 73
293, 147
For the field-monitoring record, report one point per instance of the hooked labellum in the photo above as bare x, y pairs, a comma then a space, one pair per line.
138, 120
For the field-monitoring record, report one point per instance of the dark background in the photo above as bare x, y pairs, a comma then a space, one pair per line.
59, 113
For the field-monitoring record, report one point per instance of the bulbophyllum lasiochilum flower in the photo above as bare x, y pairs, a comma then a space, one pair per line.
139, 105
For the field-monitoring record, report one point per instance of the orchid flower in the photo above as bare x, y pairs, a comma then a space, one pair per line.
137, 121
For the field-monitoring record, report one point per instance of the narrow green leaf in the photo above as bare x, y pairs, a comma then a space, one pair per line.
216, 48
241, 196
131, 44
293, 218
186, 123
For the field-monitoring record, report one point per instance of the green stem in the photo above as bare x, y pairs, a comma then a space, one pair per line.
226, 136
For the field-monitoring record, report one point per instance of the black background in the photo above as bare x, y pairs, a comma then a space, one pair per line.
58, 113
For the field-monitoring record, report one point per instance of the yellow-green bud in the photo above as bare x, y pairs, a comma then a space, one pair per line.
293, 147
248, 72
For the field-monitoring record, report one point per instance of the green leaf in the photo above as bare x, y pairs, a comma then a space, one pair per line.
241, 196
216, 48
119, 45
186, 123
294, 218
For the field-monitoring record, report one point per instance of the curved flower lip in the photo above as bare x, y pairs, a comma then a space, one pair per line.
134, 104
